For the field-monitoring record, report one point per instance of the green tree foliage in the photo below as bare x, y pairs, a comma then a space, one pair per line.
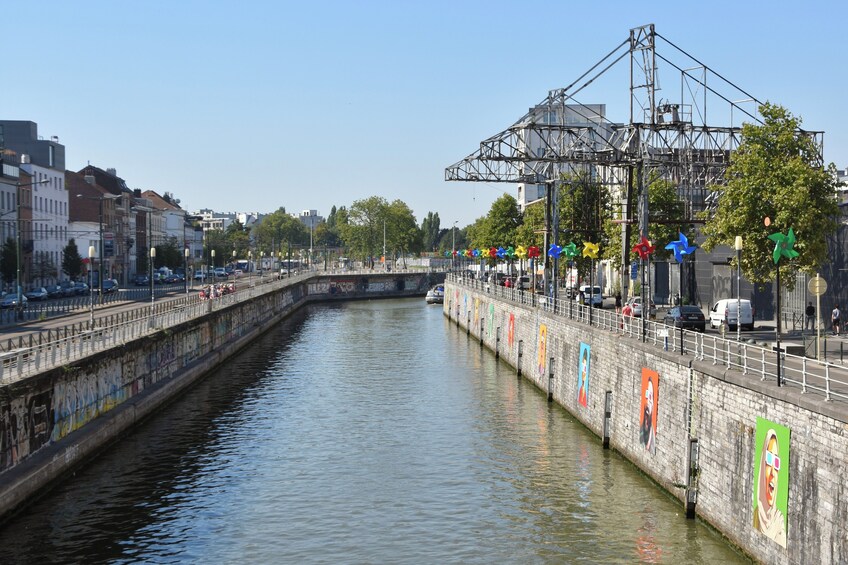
665, 209
169, 254
217, 240
775, 174
236, 238
403, 236
431, 231
499, 227
71, 260
275, 232
362, 232
8, 261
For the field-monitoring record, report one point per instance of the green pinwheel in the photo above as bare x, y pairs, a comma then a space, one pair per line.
569, 250
783, 245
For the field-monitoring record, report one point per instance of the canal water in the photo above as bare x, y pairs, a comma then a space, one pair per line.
366, 432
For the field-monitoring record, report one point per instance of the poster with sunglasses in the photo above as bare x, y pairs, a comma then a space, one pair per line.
648, 404
771, 480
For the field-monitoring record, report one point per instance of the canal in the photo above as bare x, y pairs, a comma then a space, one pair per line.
359, 433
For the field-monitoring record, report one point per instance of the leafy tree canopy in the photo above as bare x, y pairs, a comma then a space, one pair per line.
775, 174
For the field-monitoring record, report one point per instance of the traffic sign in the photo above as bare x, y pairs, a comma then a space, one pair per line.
634, 270
817, 286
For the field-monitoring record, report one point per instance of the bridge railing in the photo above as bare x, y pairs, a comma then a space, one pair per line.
820, 377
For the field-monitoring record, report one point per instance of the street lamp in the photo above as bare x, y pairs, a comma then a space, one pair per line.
453, 247
19, 304
214, 275
738, 246
91, 252
100, 219
186, 253
152, 260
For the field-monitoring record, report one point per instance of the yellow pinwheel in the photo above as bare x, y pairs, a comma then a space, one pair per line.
590, 250
521, 252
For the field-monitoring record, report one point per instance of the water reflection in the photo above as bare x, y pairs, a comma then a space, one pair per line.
356, 433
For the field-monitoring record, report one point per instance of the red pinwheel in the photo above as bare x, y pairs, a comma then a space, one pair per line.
643, 248
532, 252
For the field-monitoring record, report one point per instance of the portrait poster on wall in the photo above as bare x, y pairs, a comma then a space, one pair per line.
771, 480
510, 331
583, 374
541, 349
648, 403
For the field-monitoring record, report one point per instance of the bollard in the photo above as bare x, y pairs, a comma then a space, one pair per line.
482, 324
497, 342
607, 417
692, 480
551, 379
520, 353
468, 324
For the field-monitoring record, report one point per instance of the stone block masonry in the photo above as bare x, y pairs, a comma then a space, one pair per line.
724, 410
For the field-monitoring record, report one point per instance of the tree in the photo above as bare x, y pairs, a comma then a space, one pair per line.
277, 230
499, 227
430, 229
364, 227
403, 235
775, 174
43, 266
168, 254
71, 260
8, 261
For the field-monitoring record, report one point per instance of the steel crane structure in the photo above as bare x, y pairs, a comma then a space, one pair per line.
666, 138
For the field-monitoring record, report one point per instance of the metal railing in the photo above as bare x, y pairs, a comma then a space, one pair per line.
820, 377
36, 352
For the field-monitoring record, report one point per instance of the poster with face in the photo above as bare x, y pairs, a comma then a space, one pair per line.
583, 374
510, 330
541, 349
771, 480
648, 403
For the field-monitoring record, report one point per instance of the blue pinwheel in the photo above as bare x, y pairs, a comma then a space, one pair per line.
554, 251
501, 252
681, 247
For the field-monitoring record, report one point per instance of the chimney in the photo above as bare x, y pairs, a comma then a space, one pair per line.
89, 179
112, 172
137, 192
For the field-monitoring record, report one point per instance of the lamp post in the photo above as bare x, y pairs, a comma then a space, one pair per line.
214, 275
453, 247
738, 246
91, 252
151, 261
19, 304
186, 253
100, 221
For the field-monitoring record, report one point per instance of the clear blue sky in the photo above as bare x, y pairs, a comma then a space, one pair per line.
253, 105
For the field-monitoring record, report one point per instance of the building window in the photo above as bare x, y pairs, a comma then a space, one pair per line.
51, 156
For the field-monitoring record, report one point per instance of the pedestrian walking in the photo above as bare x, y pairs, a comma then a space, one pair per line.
618, 302
810, 323
834, 319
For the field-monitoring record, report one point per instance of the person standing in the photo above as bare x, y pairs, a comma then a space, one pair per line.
811, 317
618, 302
834, 319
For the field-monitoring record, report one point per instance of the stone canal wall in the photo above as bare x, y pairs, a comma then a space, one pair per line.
722, 415
51, 422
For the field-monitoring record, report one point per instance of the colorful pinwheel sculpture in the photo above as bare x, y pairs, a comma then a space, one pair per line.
554, 251
521, 252
533, 252
590, 250
643, 248
681, 247
783, 245
509, 252
569, 250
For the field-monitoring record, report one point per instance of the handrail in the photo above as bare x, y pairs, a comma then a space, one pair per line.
820, 377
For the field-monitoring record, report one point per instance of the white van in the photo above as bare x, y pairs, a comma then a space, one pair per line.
724, 311
585, 291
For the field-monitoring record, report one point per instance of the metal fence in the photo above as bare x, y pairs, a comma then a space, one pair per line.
811, 376
41, 351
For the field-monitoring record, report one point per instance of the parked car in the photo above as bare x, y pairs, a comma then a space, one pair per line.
686, 317
10, 300
221, 273
54, 291
724, 312
635, 304
524, 283
172, 278
80, 288
109, 285
67, 288
38, 293
200, 276
593, 293
142, 280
